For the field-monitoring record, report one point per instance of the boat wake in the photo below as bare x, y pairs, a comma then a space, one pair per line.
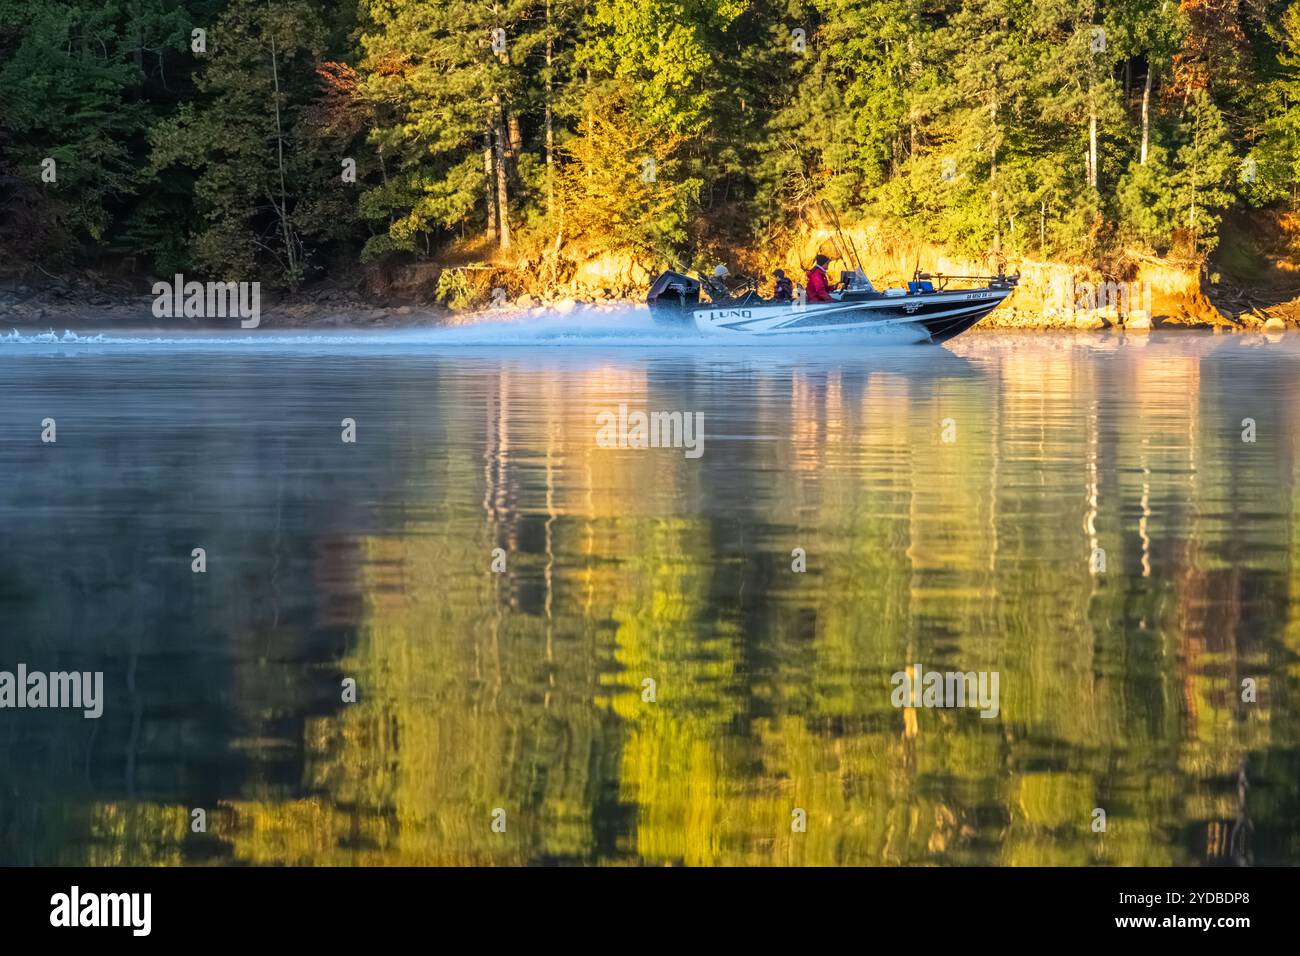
625, 328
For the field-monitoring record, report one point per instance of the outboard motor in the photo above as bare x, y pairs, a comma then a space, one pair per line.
672, 299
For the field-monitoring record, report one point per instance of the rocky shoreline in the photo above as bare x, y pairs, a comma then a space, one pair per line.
60, 304
1100, 320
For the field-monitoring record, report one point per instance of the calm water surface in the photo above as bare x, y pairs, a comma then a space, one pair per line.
1119, 689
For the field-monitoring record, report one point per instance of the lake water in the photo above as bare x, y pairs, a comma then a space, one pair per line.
1084, 517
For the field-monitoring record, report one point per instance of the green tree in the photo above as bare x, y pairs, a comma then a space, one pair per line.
78, 83
851, 123
1206, 163
447, 83
622, 187
1276, 171
1146, 204
240, 138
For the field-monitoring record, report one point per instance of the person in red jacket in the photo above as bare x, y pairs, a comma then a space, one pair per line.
819, 287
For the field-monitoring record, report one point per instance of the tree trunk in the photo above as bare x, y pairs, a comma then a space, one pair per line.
1092, 146
591, 123
516, 136
503, 195
489, 172
993, 185
291, 255
550, 124
912, 78
1146, 114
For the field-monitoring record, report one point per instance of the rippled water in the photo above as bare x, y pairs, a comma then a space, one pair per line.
949, 501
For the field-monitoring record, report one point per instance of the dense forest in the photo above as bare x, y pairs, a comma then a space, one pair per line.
286, 139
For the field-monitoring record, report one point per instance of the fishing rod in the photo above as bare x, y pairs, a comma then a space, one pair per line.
710, 283
842, 241
999, 280
673, 261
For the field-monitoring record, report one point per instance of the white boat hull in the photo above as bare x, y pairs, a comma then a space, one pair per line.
924, 315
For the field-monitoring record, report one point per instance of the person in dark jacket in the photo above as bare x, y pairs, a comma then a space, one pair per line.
819, 287
784, 287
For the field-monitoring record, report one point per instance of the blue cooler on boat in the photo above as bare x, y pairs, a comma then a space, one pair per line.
925, 286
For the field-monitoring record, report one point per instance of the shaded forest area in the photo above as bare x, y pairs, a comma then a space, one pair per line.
293, 140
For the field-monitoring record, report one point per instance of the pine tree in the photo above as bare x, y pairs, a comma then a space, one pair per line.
1276, 171
240, 137
1206, 163
445, 78
963, 182
851, 125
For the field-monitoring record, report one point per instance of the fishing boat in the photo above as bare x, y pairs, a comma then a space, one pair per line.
932, 308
